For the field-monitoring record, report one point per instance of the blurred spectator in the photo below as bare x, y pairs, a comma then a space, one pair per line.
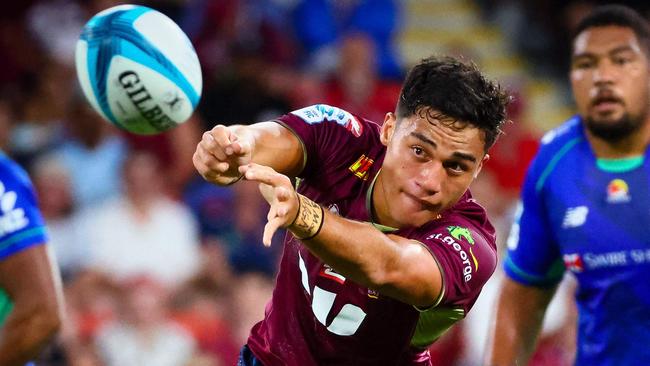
56, 25
321, 24
91, 303
55, 196
7, 119
232, 218
92, 154
39, 121
174, 150
142, 232
242, 94
511, 155
142, 334
250, 294
356, 86
201, 307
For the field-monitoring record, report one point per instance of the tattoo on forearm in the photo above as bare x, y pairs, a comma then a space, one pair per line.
309, 220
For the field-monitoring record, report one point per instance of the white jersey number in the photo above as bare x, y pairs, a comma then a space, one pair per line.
346, 322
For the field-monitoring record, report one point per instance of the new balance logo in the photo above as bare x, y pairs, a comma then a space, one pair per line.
575, 217
11, 218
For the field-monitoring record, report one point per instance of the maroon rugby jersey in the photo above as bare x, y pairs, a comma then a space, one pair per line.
316, 315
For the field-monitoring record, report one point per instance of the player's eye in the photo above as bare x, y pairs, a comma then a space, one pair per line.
456, 167
621, 60
583, 63
417, 151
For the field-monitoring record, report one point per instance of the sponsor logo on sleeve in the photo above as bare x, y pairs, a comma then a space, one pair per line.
361, 166
573, 262
322, 112
12, 218
327, 272
459, 232
456, 233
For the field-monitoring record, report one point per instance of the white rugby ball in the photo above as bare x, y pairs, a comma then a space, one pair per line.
138, 69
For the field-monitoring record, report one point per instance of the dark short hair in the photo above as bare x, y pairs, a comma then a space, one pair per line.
617, 15
456, 90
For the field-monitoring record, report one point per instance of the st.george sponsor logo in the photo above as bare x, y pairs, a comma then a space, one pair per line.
468, 270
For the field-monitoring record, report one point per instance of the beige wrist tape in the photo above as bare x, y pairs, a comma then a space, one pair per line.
309, 219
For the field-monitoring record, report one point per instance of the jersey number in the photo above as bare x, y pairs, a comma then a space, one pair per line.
346, 322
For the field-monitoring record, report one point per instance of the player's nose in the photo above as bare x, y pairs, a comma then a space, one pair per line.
431, 177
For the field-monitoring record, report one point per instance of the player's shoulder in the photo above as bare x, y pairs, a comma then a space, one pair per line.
466, 224
464, 248
11, 172
557, 145
335, 117
561, 138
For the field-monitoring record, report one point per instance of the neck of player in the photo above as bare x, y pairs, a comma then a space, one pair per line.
633, 145
380, 213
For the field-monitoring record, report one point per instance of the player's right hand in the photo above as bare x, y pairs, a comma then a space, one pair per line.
220, 153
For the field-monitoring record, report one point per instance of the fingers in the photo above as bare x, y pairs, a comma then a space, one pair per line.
269, 229
226, 143
264, 174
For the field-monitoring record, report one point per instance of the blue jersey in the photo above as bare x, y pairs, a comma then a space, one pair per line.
592, 217
21, 223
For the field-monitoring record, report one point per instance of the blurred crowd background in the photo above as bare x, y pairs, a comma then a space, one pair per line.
161, 268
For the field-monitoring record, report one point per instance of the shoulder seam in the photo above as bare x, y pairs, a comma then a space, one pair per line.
554, 161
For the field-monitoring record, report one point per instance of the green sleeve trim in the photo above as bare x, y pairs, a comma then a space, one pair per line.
433, 323
620, 165
5, 307
552, 277
18, 237
554, 161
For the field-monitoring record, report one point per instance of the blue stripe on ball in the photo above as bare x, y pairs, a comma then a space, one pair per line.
120, 25
143, 52
101, 49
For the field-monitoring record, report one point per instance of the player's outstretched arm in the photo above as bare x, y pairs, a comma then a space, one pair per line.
520, 311
29, 280
224, 149
395, 266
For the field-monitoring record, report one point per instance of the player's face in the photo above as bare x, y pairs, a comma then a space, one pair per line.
428, 166
610, 80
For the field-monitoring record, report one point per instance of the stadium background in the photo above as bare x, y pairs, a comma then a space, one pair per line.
159, 265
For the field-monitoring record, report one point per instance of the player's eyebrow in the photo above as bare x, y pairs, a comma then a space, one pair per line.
457, 154
589, 54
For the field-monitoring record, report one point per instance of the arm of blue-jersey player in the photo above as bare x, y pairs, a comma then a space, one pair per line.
29, 280
533, 267
518, 321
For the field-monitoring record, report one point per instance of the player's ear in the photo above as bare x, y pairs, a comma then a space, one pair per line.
388, 128
480, 164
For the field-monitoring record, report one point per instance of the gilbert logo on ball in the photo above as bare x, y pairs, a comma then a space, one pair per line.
138, 69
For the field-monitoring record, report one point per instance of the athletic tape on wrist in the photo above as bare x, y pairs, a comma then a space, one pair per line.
309, 219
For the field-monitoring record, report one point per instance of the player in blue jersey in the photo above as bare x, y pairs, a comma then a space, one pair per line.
30, 296
586, 206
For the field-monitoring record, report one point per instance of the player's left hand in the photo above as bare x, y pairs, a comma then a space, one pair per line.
278, 191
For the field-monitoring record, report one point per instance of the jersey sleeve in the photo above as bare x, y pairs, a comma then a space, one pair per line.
323, 130
466, 260
533, 257
21, 223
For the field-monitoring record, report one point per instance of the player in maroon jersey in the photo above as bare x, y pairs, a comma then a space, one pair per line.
386, 249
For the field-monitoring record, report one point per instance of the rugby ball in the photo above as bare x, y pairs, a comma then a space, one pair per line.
138, 69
